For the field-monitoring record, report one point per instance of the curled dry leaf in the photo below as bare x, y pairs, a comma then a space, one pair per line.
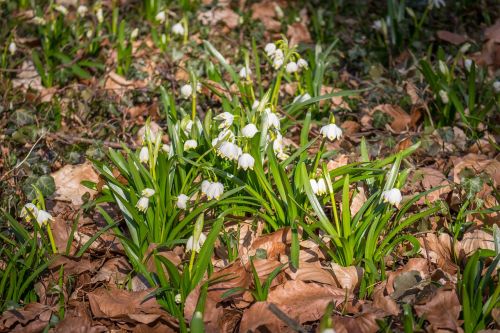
302, 302
451, 37
298, 33
400, 119
114, 271
473, 241
383, 301
311, 272
265, 11
490, 54
34, 317
429, 178
362, 323
347, 277
224, 15
28, 77
274, 244
419, 265
477, 163
120, 85
442, 311
338, 102
68, 182
438, 249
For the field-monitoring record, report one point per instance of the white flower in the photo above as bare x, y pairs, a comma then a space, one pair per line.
314, 185
468, 64
302, 98
191, 246
204, 186
144, 155
437, 3
328, 330
214, 190
29, 211
148, 192
89, 33
190, 144
188, 126
279, 54
82, 10
142, 204
444, 96
134, 33
377, 25
331, 131
277, 63
321, 186
163, 39
302, 63
291, 67
186, 90
496, 86
160, 17
100, 15
282, 156
224, 135
61, 9
12, 48
244, 71
166, 148
255, 104
178, 29
246, 161
392, 196
37, 20
278, 144
182, 201
227, 119
249, 131
271, 119
229, 150
178, 299
270, 48
43, 217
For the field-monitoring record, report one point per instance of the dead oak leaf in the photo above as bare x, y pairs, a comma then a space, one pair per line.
451, 37
224, 15
442, 311
400, 119
34, 317
473, 241
298, 33
68, 182
347, 277
265, 11
362, 323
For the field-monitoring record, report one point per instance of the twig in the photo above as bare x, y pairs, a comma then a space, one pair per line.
76, 139
24, 160
287, 320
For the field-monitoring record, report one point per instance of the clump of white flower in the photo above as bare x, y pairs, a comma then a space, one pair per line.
166, 148
190, 144
392, 196
227, 119
186, 91
318, 186
144, 155
37, 20
82, 10
246, 161
278, 59
255, 104
437, 3
444, 96
331, 131
182, 200
249, 131
224, 135
279, 147
148, 192
143, 203
229, 150
496, 86
291, 67
271, 119
191, 245
213, 190
178, 29
468, 64
160, 17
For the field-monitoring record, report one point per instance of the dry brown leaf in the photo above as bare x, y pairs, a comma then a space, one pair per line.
34, 317
362, 323
68, 182
347, 277
350, 127
274, 244
430, 178
114, 271
438, 250
224, 15
473, 241
383, 301
358, 200
442, 311
73, 324
477, 163
312, 272
265, 11
298, 33
72, 266
303, 302
451, 37
419, 265
490, 54
400, 119
338, 102
120, 85
339, 161
28, 77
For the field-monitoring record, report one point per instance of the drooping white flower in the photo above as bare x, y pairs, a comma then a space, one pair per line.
302, 64
142, 204
244, 72
291, 67
468, 64
160, 17
331, 131
321, 186
271, 119
182, 200
328, 330
214, 190
496, 86
377, 25
444, 96
227, 119
246, 161
82, 10
178, 29
270, 49
204, 186
186, 91
178, 299
255, 104
282, 156
249, 131
61, 9
166, 148
29, 211
190, 144
224, 135
302, 98
134, 33
163, 39
314, 185
191, 246
144, 155
148, 192
100, 15
12, 47
437, 3
229, 150
278, 144
277, 62
279, 54
43, 217
392, 196
37, 20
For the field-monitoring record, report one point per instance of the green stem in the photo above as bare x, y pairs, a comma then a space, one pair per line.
51, 238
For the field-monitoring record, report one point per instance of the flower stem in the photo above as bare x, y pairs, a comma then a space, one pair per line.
51, 238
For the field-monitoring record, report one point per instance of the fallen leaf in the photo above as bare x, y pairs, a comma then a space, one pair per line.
473, 241
34, 317
451, 37
442, 311
438, 249
477, 163
362, 323
347, 277
28, 77
68, 182
311, 272
274, 244
383, 301
224, 15
114, 271
265, 11
400, 119
298, 33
